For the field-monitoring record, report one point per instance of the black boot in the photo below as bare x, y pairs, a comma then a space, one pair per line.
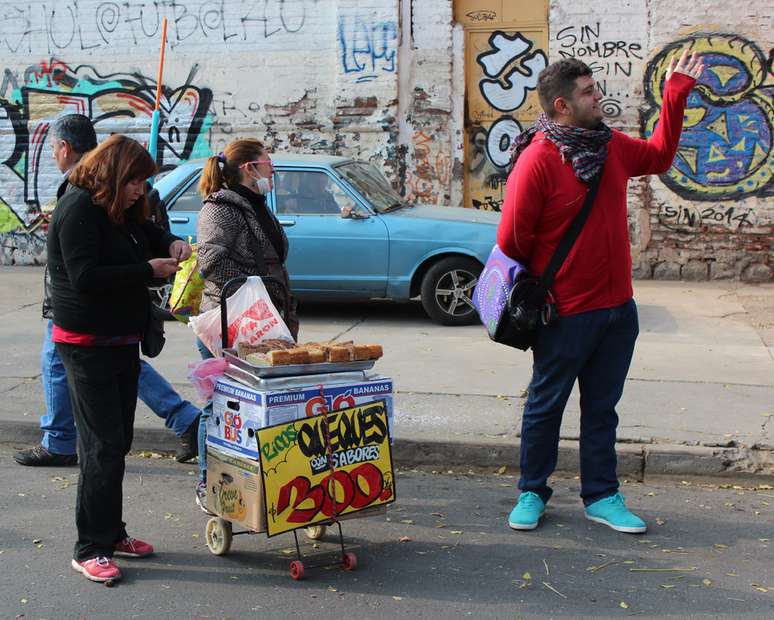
40, 457
189, 443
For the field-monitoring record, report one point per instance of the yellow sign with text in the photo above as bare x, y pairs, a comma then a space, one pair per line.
305, 483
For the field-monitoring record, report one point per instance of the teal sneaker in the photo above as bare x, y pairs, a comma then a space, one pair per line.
527, 512
612, 511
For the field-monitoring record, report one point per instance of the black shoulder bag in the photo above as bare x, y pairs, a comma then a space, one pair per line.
530, 302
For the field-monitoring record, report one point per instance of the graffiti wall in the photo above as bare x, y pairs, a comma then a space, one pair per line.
712, 214
114, 102
331, 64
432, 92
501, 102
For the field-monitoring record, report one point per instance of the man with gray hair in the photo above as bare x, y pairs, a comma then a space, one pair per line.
72, 136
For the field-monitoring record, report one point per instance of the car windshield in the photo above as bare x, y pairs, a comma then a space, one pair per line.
372, 185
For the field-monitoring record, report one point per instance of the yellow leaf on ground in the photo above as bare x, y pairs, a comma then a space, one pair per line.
707, 582
623, 605
501, 470
526, 576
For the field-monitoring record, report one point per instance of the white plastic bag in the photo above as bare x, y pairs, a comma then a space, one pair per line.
252, 317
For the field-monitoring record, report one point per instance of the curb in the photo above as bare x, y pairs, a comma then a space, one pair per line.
636, 461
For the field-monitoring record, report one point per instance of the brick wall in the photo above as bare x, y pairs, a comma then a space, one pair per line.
712, 215
384, 80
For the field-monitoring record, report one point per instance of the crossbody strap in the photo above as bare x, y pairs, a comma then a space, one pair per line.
565, 245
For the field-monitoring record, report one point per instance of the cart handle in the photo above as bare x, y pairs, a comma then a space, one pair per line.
231, 286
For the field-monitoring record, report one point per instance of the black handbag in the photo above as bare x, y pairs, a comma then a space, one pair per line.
153, 339
530, 302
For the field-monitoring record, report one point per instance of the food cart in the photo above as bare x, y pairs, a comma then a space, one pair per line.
298, 446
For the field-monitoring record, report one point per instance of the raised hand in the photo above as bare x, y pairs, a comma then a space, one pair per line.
691, 66
179, 250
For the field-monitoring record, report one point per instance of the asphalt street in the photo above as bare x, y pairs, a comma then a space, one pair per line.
444, 551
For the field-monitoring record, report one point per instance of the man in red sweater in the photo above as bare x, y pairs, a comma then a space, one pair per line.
593, 338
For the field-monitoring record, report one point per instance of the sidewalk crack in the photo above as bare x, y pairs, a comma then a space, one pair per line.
22, 307
349, 329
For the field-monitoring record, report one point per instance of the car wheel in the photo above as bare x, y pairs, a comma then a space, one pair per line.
447, 290
160, 299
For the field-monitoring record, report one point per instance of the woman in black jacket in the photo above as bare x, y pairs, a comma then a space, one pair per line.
99, 241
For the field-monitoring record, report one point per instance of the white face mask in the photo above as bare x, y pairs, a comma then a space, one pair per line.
261, 184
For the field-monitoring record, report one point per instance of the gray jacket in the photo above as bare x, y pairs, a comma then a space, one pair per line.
231, 244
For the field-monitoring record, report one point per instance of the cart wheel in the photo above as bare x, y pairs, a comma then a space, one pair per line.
349, 561
315, 532
297, 569
218, 536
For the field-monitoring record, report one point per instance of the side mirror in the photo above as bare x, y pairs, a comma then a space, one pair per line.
354, 213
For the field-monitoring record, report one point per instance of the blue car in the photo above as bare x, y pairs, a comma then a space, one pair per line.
353, 237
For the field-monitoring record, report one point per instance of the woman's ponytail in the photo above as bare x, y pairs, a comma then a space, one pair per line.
212, 177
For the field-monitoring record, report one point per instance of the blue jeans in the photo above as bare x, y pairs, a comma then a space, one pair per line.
206, 413
595, 348
59, 434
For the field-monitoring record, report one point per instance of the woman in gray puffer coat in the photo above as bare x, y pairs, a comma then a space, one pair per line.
238, 235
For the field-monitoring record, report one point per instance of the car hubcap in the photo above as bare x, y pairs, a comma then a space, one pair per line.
454, 292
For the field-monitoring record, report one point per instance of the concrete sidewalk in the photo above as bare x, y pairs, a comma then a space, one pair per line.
699, 399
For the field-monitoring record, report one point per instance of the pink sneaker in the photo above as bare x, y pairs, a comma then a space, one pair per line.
133, 548
98, 569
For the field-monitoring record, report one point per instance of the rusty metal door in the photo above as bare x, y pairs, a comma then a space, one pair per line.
506, 47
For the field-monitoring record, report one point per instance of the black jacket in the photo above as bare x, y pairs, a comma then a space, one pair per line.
48, 308
99, 272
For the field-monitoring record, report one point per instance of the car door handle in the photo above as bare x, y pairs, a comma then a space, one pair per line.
287, 222
178, 220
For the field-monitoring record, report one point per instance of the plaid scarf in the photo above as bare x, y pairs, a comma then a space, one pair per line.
585, 148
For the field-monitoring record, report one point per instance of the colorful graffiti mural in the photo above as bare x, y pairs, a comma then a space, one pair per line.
726, 147
115, 102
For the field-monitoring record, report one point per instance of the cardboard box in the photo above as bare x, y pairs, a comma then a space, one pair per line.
238, 410
235, 490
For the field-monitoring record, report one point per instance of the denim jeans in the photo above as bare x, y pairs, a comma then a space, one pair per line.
57, 423
595, 348
103, 389
206, 413
59, 435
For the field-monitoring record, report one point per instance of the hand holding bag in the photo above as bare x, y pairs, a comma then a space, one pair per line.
511, 303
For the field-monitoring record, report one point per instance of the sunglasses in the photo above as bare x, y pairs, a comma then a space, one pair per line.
259, 161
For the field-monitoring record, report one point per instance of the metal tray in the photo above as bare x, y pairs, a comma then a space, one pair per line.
294, 370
